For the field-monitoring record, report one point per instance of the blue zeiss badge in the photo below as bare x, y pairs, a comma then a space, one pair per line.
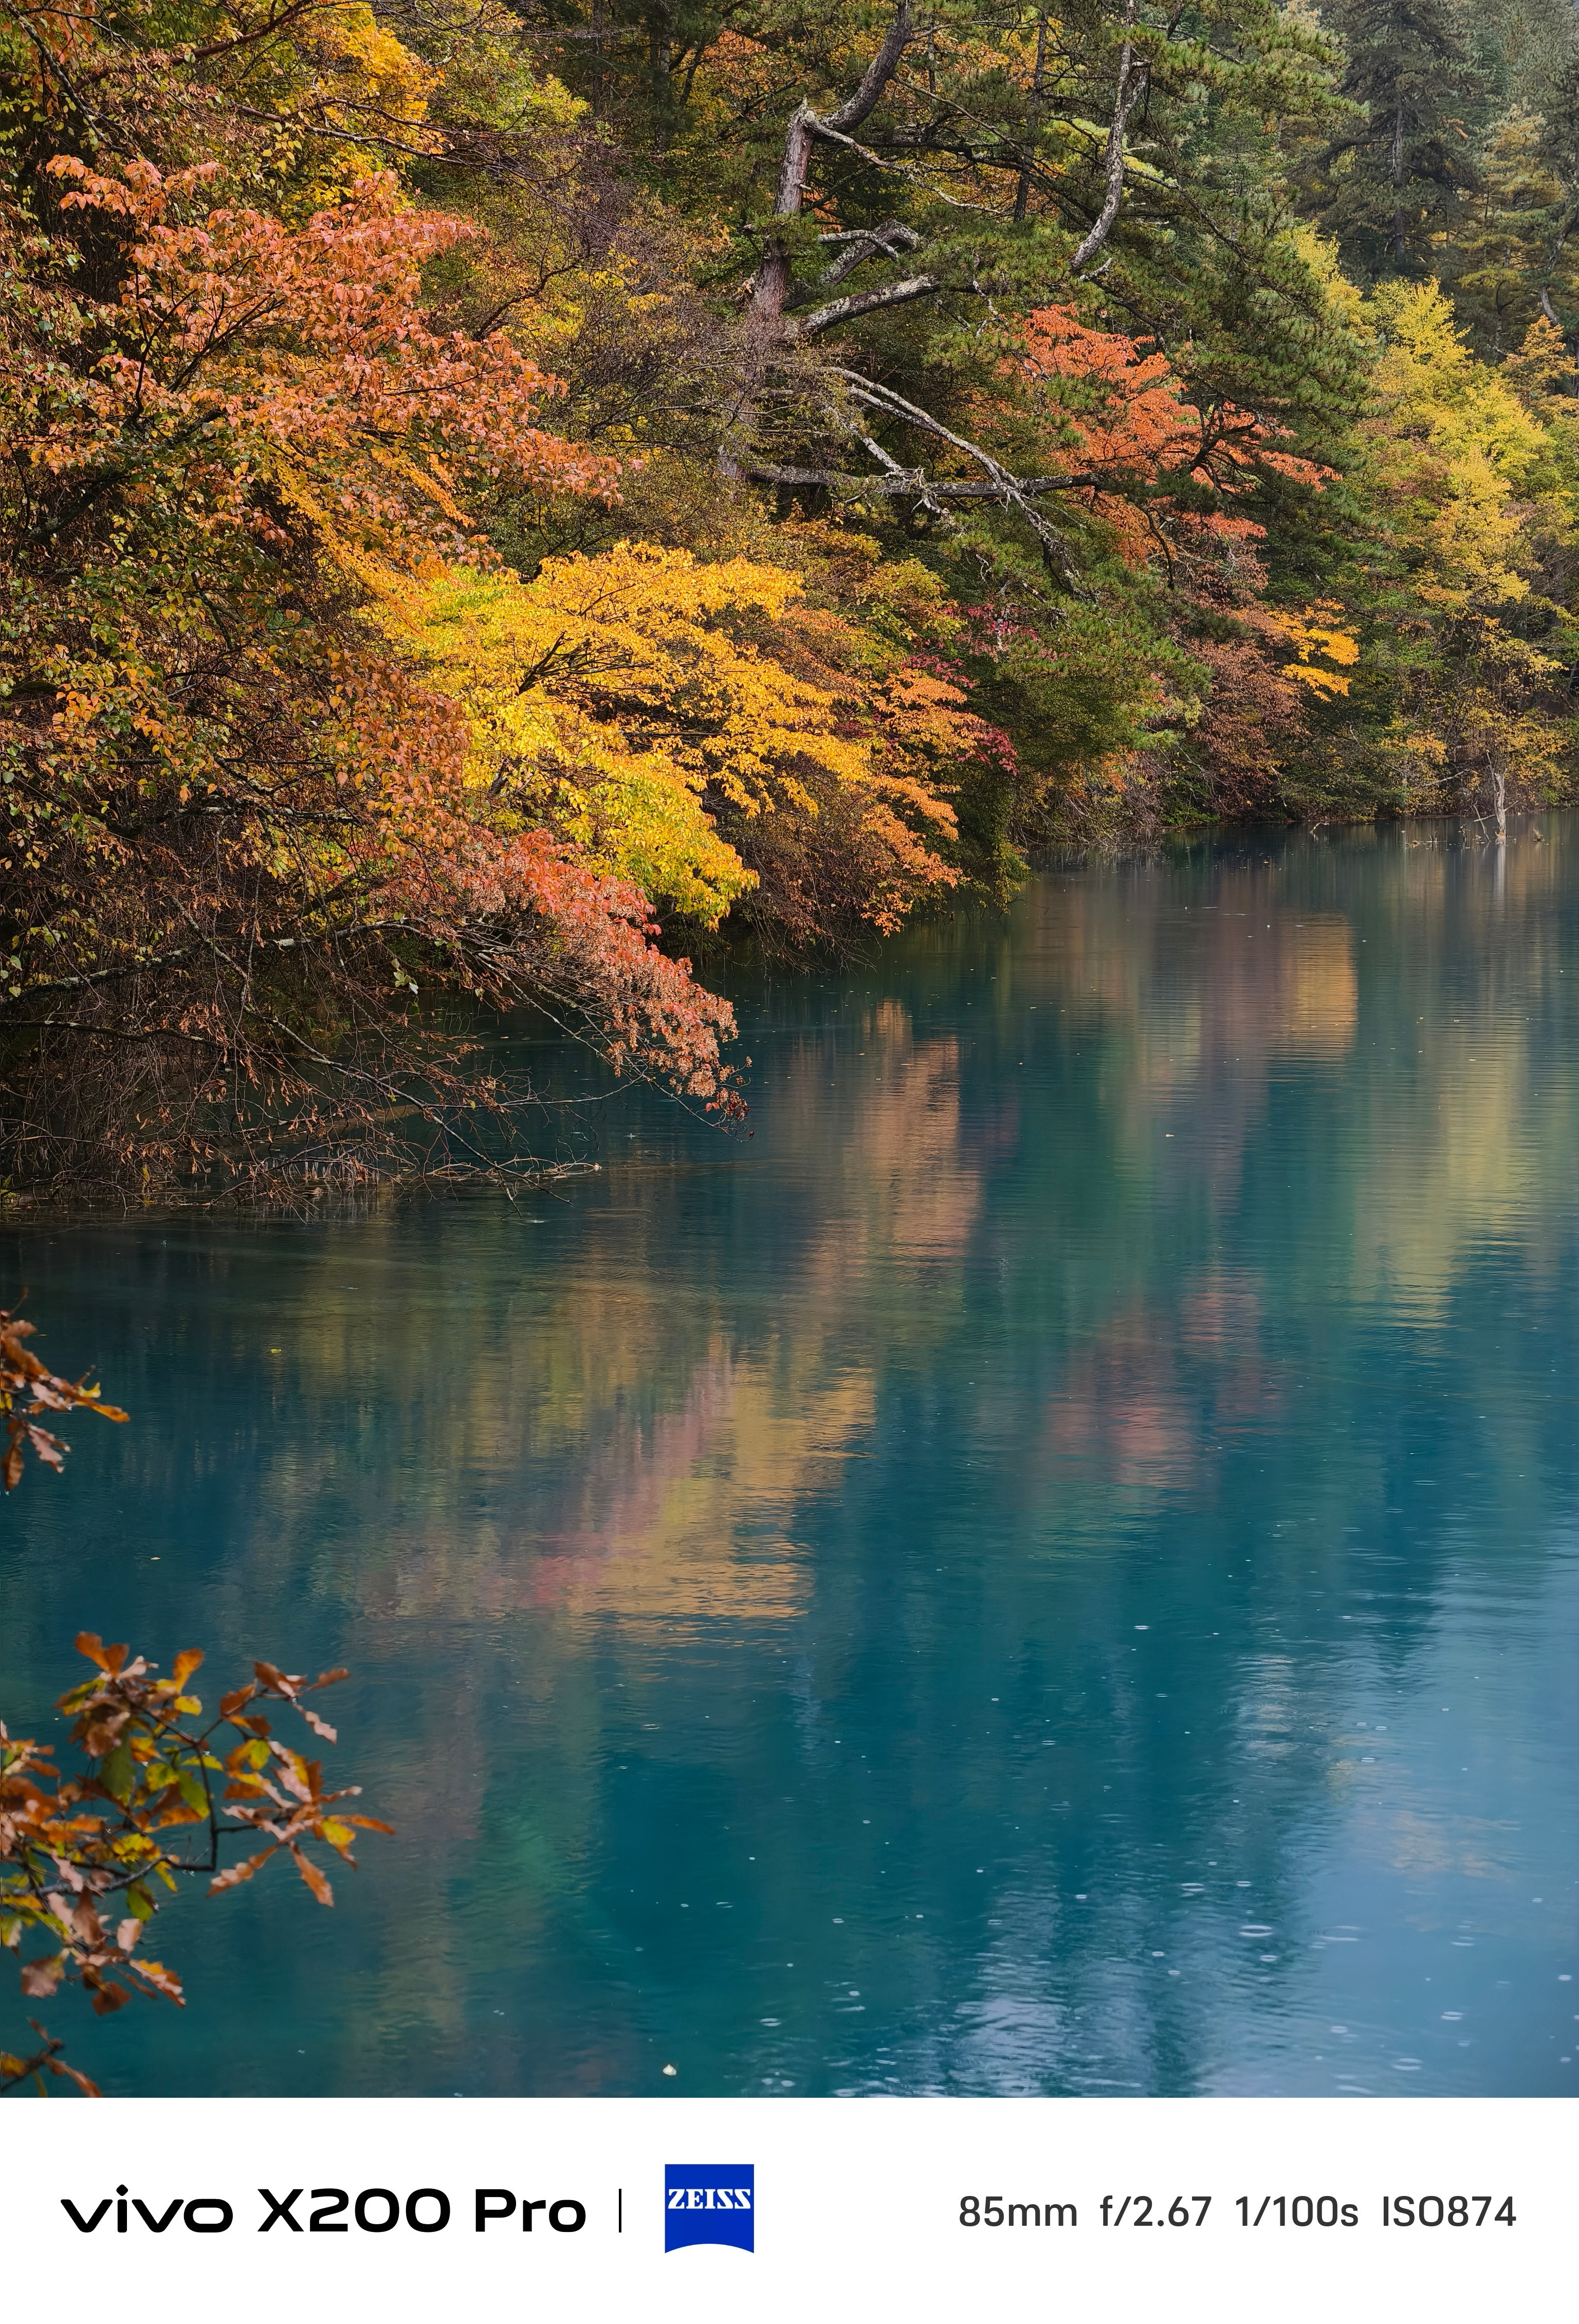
709, 2203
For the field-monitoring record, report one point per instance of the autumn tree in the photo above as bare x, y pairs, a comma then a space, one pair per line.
1509, 253
908, 190
85, 1857
1471, 643
499, 497
240, 835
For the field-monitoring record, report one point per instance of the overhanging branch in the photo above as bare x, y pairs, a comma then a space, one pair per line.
997, 483
864, 241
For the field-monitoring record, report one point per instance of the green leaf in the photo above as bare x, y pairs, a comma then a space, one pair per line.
117, 1773
191, 1791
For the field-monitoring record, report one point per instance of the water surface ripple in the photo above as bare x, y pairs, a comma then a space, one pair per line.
1048, 1567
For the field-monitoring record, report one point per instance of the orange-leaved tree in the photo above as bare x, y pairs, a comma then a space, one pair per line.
1164, 477
245, 869
1134, 440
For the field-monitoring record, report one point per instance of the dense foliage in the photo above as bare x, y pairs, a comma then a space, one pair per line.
498, 495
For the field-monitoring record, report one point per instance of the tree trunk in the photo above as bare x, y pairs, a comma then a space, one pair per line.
775, 279
770, 292
660, 60
1022, 191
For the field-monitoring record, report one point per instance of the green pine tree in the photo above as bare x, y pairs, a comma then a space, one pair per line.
1389, 186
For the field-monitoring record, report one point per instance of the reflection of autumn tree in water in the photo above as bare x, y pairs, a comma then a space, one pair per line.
1143, 1409
665, 1442
910, 1182
765, 1414
1212, 1017
730, 1497
679, 1422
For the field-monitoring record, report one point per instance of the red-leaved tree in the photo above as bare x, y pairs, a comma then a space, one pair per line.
248, 895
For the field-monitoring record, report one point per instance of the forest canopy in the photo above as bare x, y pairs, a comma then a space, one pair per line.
504, 501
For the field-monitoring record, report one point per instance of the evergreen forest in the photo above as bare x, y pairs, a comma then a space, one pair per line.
506, 502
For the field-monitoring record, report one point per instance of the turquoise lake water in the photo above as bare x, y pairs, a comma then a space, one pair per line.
1048, 1567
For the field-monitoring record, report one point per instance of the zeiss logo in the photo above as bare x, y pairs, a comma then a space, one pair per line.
709, 2203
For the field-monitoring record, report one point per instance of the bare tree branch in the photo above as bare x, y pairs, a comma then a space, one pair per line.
774, 299
1000, 483
865, 242
905, 484
1133, 76
771, 291
863, 302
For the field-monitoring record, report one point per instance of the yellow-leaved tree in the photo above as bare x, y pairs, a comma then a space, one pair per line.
642, 703
1324, 650
1469, 477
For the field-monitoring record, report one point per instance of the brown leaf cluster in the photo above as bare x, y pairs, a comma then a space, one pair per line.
28, 1387
87, 1858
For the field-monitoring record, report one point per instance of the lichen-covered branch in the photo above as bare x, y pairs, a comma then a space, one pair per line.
1134, 73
